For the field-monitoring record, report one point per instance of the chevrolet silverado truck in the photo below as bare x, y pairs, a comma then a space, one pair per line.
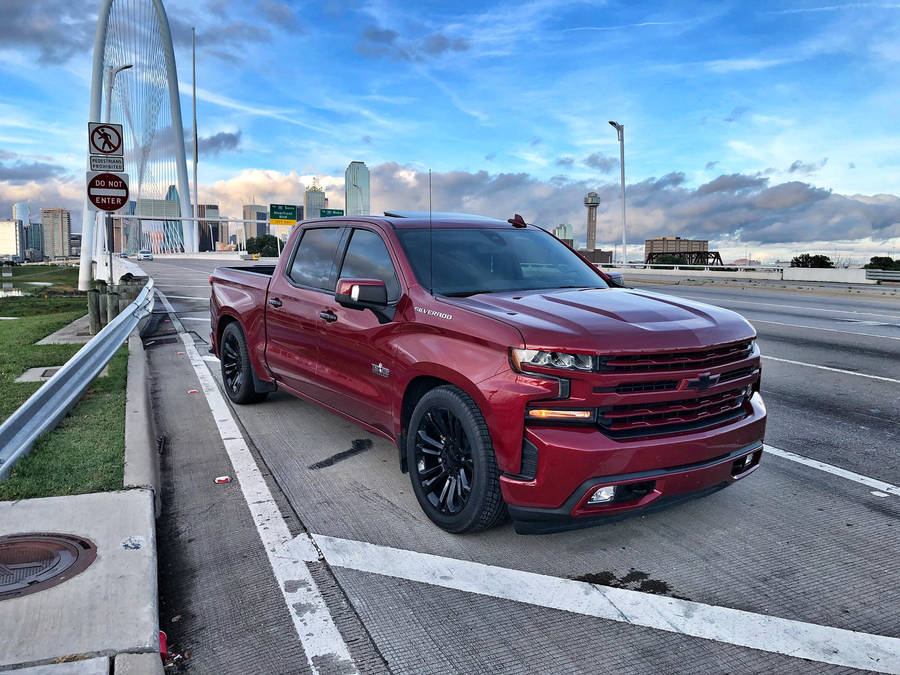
513, 376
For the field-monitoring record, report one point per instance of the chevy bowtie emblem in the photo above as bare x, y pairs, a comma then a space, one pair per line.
704, 382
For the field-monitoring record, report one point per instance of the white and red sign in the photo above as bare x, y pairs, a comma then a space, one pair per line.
105, 138
107, 191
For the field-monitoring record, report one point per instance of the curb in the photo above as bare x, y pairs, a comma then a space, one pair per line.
141, 461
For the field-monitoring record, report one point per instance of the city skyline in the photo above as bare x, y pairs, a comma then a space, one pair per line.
733, 134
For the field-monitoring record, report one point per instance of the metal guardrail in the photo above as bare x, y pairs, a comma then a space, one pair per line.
883, 275
49, 404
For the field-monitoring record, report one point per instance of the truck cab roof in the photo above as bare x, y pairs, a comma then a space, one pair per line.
420, 219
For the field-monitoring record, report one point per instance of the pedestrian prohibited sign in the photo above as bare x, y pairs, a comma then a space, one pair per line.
107, 191
105, 138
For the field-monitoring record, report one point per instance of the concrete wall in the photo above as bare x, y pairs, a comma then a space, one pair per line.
840, 276
696, 274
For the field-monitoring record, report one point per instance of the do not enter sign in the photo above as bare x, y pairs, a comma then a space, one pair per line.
107, 191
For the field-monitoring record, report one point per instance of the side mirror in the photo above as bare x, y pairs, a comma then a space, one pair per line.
361, 294
616, 278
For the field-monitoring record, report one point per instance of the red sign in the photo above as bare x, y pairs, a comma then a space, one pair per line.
107, 191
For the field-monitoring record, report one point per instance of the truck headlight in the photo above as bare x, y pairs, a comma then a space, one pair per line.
534, 357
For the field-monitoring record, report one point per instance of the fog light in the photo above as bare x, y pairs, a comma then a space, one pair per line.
748, 460
603, 495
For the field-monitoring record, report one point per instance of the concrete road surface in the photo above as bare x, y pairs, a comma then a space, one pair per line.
807, 551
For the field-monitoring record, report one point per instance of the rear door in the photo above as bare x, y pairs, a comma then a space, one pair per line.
355, 359
296, 297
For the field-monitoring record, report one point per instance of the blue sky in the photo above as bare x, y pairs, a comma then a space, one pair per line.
792, 107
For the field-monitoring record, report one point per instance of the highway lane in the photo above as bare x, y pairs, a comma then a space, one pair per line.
790, 541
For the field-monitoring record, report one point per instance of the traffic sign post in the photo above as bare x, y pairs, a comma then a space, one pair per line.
282, 214
330, 213
107, 191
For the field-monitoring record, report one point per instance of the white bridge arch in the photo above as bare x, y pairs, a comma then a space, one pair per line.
139, 46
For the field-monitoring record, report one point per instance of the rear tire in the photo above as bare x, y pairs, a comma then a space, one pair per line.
451, 462
237, 373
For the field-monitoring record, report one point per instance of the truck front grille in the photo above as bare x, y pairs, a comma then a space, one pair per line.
665, 393
687, 360
651, 419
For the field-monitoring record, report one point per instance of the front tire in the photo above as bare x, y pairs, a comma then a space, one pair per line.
237, 373
452, 464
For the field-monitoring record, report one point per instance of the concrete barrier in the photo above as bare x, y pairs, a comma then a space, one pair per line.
838, 275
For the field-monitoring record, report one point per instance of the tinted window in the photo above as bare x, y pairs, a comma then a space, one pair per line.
315, 255
468, 261
367, 258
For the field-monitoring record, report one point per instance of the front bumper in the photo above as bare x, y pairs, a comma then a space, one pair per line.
573, 461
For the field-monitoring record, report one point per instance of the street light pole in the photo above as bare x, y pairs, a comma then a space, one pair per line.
107, 231
195, 226
620, 131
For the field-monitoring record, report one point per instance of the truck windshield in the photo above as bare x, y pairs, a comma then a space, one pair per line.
470, 260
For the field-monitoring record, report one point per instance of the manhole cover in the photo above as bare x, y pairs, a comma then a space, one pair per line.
32, 562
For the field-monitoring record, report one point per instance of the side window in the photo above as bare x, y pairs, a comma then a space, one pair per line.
314, 258
367, 258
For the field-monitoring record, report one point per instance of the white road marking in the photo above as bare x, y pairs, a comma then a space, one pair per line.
827, 330
835, 370
179, 327
878, 494
287, 555
210, 358
835, 470
815, 309
196, 318
732, 626
190, 297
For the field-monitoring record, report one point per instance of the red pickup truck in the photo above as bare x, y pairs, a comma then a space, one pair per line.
513, 376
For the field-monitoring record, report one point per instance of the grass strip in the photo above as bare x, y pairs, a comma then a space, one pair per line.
86, 452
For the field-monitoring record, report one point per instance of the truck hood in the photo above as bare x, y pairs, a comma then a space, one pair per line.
609, 320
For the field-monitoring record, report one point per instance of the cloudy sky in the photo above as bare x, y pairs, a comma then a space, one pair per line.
769, 126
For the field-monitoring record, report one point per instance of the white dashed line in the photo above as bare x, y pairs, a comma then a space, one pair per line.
834, 370
835, 470
190, 297
723, 624
827, 330
769, 304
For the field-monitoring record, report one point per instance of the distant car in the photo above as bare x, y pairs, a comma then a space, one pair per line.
123, 254
145, 255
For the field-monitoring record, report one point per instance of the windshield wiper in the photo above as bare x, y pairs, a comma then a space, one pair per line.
465, 294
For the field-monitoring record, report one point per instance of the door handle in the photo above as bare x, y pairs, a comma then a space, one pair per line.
328, 315
275, 302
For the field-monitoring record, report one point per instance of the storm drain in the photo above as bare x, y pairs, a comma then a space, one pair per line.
33, 562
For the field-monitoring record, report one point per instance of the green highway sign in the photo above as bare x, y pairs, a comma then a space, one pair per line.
330, 213
282, 214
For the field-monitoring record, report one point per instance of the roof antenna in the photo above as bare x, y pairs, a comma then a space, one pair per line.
430, 239
517, 221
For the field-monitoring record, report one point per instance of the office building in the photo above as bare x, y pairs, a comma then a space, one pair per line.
597, 256
159, 236
565, 234
56, 227
258, 213
12, 240
211, 231
75, 244
34, 241
356, 189
21, 211
314, 201
674, 245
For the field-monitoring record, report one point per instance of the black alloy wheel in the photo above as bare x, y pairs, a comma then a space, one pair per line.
452, 465
237, 373
444, 460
